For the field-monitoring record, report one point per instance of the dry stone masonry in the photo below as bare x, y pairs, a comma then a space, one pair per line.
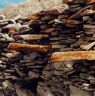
50, 53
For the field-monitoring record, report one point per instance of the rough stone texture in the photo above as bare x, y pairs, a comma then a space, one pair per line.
30, 6
31, 72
